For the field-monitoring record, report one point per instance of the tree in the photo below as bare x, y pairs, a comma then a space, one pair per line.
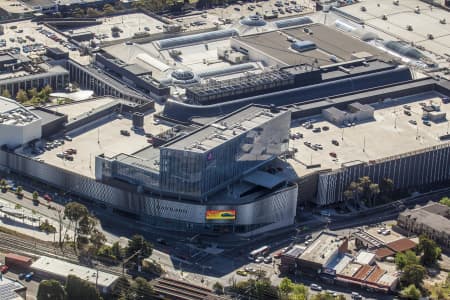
431, 251
35, 196
299, 292
374, 192
98, 239
121, 287
6, 94
78, 288
32, 93
19, 190
108, 9
386, 188
92, 12
138, 243
404, 259
413, 274
445, 201
323, 296
75, 211
218, 288
142, 288
50, 290
22, 96
117, 250
411, 292
286, 286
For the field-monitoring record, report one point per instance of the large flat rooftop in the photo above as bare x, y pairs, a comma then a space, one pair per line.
389, 134
74, 109
100, 137
63, 269
322, 248
224, 129
276, 45
128, 23
333, 41
399, 16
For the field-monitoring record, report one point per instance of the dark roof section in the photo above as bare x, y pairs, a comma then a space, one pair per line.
277, 46
402, 245
332, 41
184, 112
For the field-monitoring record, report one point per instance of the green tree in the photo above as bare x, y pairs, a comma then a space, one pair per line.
108, 9
374, 192
78, 288
121, 288
218, 288
32, 93
97, 239
75, 211
50, 290
35, 196
411, 292
92, 12
322, 296
3, 183
413, 274
404, 259
19, 190
286, 286
117, 251
431, 251
22, 96
299, 292
445, 201
138, 242
6, 94
142, 288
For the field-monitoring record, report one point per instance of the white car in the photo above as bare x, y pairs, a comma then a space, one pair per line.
315, 287
259, 259
268, 260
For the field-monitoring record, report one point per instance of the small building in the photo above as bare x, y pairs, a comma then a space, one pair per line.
48, 267
365, 258
356, 112
431, 220
321, 252
12, 289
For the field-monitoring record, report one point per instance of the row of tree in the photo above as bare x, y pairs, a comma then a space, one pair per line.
74, 289
369, 192
32, 96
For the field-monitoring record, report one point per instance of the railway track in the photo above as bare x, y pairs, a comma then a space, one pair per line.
36, 248
180, 290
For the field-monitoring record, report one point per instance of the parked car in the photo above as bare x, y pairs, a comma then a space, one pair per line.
3, 269
124, 132
426, 123
268, 260
21, 276
413, 122
315, 287
29, 276
241, 272
48, 197
335, 142
259, 259
68, 138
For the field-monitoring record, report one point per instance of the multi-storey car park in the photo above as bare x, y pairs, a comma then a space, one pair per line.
191, 132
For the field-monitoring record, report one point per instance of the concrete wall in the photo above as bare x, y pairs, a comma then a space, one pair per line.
273, 211
411, 170
13, 135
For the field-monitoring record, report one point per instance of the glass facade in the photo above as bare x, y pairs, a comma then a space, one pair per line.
193, 174
197, 174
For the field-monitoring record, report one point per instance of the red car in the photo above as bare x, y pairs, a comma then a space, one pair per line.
48, 197
4, 269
